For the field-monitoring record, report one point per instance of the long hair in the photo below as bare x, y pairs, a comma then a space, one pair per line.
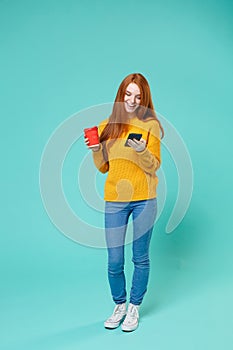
117, 122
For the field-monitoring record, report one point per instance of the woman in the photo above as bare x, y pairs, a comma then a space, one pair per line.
130, 188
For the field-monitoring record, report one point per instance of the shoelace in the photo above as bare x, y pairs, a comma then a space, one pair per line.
131, 315
118, 309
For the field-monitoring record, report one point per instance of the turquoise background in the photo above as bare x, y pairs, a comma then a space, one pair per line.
58, 57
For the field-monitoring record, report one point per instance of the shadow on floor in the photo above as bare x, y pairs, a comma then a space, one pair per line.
180, 262
63, 339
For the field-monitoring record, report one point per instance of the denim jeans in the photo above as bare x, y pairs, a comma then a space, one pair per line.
116, 220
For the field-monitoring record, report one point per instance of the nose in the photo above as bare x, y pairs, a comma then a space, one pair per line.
132, 99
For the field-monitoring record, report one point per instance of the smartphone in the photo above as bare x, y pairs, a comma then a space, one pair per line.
132, 136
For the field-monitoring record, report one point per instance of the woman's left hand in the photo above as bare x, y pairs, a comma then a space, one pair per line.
139, 146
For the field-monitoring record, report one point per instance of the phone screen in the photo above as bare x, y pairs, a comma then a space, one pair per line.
132, 136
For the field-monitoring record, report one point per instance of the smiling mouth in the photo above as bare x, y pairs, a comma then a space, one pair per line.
131, 106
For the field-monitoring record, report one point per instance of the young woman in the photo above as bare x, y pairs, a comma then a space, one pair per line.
130, 188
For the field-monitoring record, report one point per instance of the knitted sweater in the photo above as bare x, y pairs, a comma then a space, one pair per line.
131, 174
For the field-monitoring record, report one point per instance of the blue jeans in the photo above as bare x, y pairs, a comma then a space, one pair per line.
116, 220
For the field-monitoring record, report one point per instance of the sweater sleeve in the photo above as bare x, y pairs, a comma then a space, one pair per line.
100, 161
149, 159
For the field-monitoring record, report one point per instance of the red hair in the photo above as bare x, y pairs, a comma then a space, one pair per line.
117, 122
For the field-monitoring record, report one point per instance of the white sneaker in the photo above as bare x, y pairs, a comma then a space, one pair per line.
115, 319
132, 317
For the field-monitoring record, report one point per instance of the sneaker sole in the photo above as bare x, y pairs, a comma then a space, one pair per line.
111, 326
128, 330
125, 329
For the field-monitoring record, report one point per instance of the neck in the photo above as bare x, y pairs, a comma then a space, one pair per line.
131, 115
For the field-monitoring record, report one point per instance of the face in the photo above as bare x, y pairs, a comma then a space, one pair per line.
132, 98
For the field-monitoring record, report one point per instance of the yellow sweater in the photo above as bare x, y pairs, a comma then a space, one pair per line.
131, 174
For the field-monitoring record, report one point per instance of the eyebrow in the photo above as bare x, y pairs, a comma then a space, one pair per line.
130, 93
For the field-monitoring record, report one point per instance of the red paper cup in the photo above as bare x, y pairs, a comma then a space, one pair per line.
92, 135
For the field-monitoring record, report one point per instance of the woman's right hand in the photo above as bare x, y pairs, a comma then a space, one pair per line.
93, 148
